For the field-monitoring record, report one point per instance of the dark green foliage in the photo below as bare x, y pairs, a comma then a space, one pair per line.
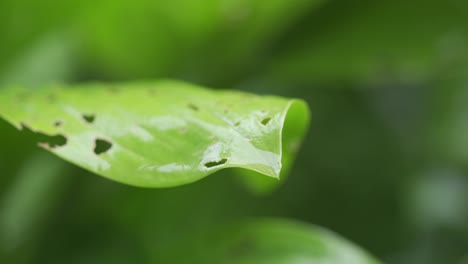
384, 164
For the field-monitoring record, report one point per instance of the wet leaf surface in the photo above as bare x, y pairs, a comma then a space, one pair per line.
159, 134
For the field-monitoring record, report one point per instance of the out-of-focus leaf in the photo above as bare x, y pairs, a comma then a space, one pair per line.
276, 242
31, 198
28, 69
439, 200
26, 21
372, 39
198, 41
159, 134
448, 125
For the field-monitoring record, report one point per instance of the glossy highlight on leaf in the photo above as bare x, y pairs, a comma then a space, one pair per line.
160, 134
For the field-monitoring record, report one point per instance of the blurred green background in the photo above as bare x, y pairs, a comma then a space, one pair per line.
384, 164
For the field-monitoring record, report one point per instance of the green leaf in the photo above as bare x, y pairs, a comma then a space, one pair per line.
448, 125
198, 41
26, 22
276, 242
30, 200
159, 134
28, 69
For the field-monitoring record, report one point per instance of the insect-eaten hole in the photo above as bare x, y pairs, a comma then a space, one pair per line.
266, 121
89, 118
58, 123
101, 146
44, 140
193, 107
215, 163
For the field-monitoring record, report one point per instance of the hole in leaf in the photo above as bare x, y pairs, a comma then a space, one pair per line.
212, 164
89, 118
265, 121
44, 139
101, 146
58, 123
193, 107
